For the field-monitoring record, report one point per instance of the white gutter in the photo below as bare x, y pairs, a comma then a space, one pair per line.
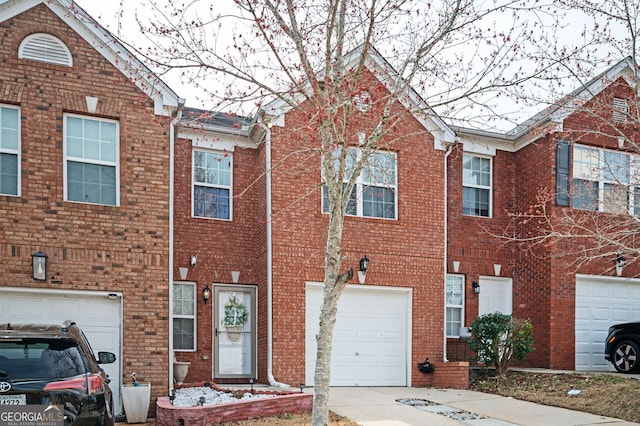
173, 131
267, 147
446, 261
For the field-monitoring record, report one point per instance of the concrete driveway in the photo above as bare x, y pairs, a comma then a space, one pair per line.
399, 406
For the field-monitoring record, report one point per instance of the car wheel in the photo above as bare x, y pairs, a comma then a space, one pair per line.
625, 357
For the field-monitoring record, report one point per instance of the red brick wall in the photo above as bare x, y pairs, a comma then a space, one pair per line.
544, 284
90, 247
407, 252
472, 240
220, 245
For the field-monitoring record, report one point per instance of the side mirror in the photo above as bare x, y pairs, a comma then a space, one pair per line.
106, 358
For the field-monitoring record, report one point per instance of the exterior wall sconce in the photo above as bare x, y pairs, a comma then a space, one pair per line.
620, 264
39, 266
364, 266
206, 294
235, 276
194, 260
456, 266
476, 287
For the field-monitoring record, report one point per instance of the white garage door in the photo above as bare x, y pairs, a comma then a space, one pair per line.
96, 314
600, 303
370, 341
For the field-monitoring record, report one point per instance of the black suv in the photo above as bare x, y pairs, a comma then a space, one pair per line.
54, 366
622, 347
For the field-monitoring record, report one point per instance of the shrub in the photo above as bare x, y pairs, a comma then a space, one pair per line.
498, 339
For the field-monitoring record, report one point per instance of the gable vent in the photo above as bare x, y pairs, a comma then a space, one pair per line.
45, 48
620, 110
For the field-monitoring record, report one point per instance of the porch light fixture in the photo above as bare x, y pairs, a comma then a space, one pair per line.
620, 264
364, 266
206, 294
476, 287
39, 266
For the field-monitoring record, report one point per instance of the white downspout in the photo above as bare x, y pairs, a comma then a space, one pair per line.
173, 131
446, 227
267, 147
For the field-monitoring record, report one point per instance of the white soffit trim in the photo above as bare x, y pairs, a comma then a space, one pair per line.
218, 141
479, 148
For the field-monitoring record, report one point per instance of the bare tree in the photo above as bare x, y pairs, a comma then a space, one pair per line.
598, 222
318, 56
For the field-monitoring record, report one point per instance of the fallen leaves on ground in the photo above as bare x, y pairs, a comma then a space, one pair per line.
611, 395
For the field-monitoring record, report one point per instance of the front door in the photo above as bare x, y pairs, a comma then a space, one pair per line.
234, 331
495, 296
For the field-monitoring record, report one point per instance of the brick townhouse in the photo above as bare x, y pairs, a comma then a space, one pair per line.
581, 150
85, 154
250, 228
488, 176
178, 237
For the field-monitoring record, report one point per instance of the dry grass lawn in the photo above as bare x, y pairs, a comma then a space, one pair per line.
611, 395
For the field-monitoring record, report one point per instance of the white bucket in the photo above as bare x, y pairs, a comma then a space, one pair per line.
136, 401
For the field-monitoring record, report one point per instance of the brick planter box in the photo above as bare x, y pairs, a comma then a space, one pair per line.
283, 402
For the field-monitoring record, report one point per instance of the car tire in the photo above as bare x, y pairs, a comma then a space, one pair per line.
625, 357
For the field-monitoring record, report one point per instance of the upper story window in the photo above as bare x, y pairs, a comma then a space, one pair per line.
92, 160
184, 316
620, 110
9, 150
454, 299
212, 184
602, 180
375, 192
45, 48
476, 186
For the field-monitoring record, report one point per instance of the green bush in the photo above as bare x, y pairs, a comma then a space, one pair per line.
498, 339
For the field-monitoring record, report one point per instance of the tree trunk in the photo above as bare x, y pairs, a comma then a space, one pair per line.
334, 284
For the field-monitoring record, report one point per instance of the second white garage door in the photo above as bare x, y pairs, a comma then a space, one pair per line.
370, 341
600, 303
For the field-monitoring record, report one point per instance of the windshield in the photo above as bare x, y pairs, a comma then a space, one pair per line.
41, 359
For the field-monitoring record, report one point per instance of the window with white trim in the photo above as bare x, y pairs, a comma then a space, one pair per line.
454, 299
212, 184
602, 180
184, 316
92, 160
375, 191
476, 185
9, 150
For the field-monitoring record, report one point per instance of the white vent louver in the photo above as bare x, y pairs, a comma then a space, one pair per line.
620, 110
45, 48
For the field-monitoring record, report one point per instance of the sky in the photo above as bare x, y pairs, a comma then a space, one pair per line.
125, 27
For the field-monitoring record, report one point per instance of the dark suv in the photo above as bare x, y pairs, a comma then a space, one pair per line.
54, 366
622, 347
